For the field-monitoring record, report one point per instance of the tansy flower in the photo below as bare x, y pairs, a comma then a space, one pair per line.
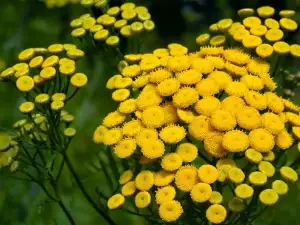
267, 168
48, 73
186, 116
217, 40
235, 141
125, 148
144, 136
274, 35
168, 87
153, 149
251, 21
42, 98
251, 41
244, 191
125, 177
284, 140
200, 127
256, 100
185, 97
269, 156
128, 106
268, 197
248, 118
253, 155
113, 136
171, 162
213, 145
207, 105
132, 128
203, 66
116, 201
131, 71
170, 211
296, 132
224, 24
268, 81
258, 178
264, 50
99, 134
225, 161
189, 77
216, 214
281, 47
272, 123
123, 82
235, 70
232, 104
271, 23
236, 56
79, 80
170, 113
113, 119
290, 105
280, 187
25, 83
150, 63
288, 24
265, 11
252, 82
217, 61
236, 175
216, 198
144, 180
187, 152
208, 174
120, 95
186, 177
36, 62
141, 81
165, 194
203, 39
295, 50
289, 174
153, 117
287, 13
207, 87
128, 189
236, 88
178, 63
210, 50
201, 192
258, 67
259, 30
236, 205
172, 134
147, 99
161, 52
214, 28
26, 107
261, 140
163, 178
111, 82
142, 199
240, 34
223, 120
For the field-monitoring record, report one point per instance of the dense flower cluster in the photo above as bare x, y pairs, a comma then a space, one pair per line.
116, 22
198, 123
259, 32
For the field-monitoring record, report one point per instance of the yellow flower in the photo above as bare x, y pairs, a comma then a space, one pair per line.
265, 11
153, 149
274, 35
171, 162
274, 102
26, 107
258, 178
203, 66
284, 140
224, 24
26, 54
163, 178
172, 134
235, 70
267, 168
58, 97
287, 13
112, 41
132, 58
207, 87
248, 118
25, 83
42, 98
153, 117
208, 174
99, 134
189, 77
161, 52
235, 141
281, 47
203, 39
259, 30
272, 123
288, 24
178, 63
217, 40
256, 100
159, 75
264, 50
211, 50
268, 197
128, 189
216, 214
269, 83
187, 152
186, 116
151, 62
79, 80
214, 27
132, 128
48, 73
236, 175
223, 172
120, 95
125, 148
113, 136
116, 201
236, 88
289, 174
244, 191
225, 161
253, 155
141, 81
125, 177
36, 62
251, 41
269, 156
201, 192
170, 211
144, 136
170, 113
185, 97
78, 32
280, 187
232, 104
50, 61
271, 23
144, 180
101, 35
290, 105
240, 34
131, 71
223, 120
200, 127
142, 199
245, 12
148, 98
111, 82
217, 61
251, 21
295, 50
216, 198
207, 105
70, 132
128, 106
149, 25
7, 73
165, 194
95, 28
236, 56
186, 178
296, 132
236, 205
261, 140
213, 145
113, 119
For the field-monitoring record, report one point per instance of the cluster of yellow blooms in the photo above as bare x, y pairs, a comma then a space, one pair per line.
172, 101
125, 21
60, 3
262, 33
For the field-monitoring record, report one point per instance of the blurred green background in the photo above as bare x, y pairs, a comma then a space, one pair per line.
29, 23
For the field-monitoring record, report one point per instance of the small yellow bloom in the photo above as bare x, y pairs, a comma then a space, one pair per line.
26, 107
57, 105
128, 189
120, 95
289, 174
236, 205
251, 41
142, 200
70, 132
265, 11
42, 98
235, 141
253, 155
113, 119
125, 177
208, 174
244, 191
25, 83
170, 211
144, 180
268, 197
288, 24
264, 50
55, 48
201, 192
172, 134
165, 194
125, 148
26, 54
112, 137
116, 201
251, 21
236, 175
216, 214
280, 187
186, 178
216, 198
187, 152
79, 80
271, 23
258, 178
281, 47
171, 162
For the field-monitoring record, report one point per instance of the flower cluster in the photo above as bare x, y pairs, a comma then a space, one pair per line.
259, 32
116, 22
199, 124
8, 151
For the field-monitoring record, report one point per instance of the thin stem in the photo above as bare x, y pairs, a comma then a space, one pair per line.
66, 212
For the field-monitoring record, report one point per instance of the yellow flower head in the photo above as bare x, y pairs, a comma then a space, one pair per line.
203, 39
261, 140
295, 50
113, 119
236, 88
251, 41
128, 189
153, 149
210, 50
203, 66
208, 174
223, 120
178, 63
251, 21
148, 98
244, 191
163, 178
216, 198
144, 180
186, 178
144, 135
185, 97
256, 100
236, 175
284, 140
258, 178
289, 174
165, 194
216, 214
116, 201
171, 162
258, 67
170, 113
207, 105
172, 134
274, 35
153, 117
253, 155
213, 145
281, 47
186, 116
26, 107
125, 148
232, 104
113, 136
259, 30
201, 192
189, 77
217, 40
200, 127
25, 83
170, 211
79, 80
187, 152
248, 118
288, 24
128, 106
280, 187
125, 177
235, 141
265, 11
142, 199
268, 197
267, 168
207, 87
272, 123
236, 56
264, 50
236, 205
